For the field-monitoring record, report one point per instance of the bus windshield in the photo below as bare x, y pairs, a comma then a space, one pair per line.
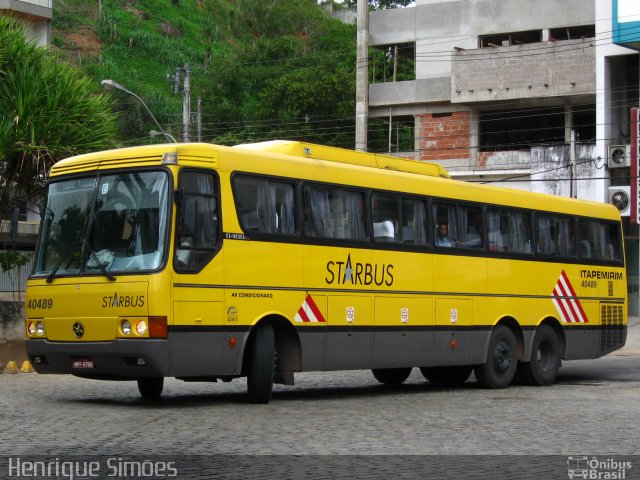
111, 223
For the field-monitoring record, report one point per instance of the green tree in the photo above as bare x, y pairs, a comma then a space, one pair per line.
294, 78
48, 111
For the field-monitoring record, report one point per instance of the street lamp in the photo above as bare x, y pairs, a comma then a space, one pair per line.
109, 84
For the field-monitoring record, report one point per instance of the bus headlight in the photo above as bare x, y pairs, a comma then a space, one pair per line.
40, 329
31, 328
141, 327
125, 326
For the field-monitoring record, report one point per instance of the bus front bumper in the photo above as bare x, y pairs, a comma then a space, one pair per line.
119, 359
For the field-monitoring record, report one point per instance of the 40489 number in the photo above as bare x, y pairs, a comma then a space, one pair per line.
40, 303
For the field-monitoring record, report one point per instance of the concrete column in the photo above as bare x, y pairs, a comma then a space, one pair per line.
362, 76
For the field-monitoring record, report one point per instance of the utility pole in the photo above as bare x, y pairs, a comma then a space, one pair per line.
199, 118
362, 75
186, 103
186, 97
572, 159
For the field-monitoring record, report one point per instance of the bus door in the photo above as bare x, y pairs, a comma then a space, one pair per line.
197, 332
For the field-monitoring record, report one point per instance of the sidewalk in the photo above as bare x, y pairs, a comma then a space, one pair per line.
632, 347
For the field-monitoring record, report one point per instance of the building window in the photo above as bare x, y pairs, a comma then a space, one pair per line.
522, 129
512, 38
571, 33
392, 63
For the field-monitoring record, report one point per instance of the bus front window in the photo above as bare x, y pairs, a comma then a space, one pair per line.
64, 224
127, 225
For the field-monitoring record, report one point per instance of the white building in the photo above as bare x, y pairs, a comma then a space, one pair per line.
510, 91
34, 14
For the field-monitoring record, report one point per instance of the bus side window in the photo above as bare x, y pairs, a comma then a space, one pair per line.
444, 215
333, 213
265, 205
513, 228
386, 217
414, 222
599, 240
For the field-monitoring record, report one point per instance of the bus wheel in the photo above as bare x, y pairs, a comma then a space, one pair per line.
391, 376
261, 364
447, 376
150, 387
542, 369
502, 360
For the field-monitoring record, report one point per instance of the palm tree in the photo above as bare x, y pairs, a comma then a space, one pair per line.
48, 111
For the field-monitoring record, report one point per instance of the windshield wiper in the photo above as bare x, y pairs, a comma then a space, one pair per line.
101, 266
63, 259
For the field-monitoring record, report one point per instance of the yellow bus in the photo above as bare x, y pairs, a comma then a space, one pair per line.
207, 263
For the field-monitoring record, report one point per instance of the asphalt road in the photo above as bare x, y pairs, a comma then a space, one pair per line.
591, 411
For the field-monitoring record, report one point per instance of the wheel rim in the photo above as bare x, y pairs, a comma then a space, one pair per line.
502, 358
544, 356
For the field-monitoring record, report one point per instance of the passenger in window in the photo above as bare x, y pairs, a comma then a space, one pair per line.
585, 249
443, 239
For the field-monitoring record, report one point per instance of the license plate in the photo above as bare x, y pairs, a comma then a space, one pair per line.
82, 363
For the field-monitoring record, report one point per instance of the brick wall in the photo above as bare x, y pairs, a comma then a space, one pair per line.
445, 136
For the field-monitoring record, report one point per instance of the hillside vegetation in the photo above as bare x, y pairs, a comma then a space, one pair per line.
263, 68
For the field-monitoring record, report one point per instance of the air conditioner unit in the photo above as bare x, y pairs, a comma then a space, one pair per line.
619, 156
620, 197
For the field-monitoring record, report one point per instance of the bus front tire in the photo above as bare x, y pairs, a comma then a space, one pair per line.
447, 376
543, 367
502, 360
391, 376
150, 387
261, 364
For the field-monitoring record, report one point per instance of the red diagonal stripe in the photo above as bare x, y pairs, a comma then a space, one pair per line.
303, 315
314, 308
573, 314
581, 313
569, 286
561, 303
567, 304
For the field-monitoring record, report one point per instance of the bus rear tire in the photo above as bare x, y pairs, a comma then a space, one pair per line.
447, 376
150, 387
502, 360
391, 376
261, 364
543, 367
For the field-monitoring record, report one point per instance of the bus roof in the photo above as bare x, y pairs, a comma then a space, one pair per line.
342, 155
361, 168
